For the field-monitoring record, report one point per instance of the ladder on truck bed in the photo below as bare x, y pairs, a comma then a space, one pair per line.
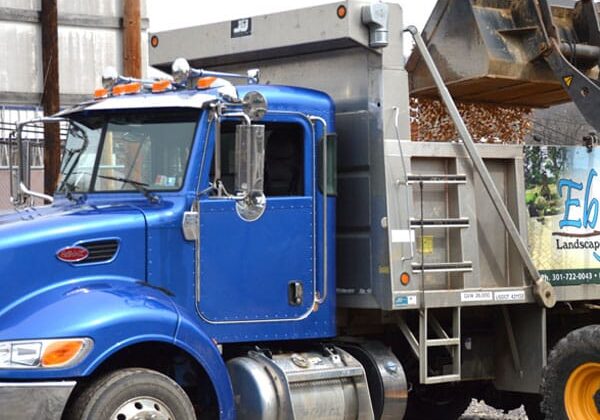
460, 262
431, 333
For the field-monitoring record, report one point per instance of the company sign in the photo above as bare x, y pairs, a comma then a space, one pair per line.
563, 202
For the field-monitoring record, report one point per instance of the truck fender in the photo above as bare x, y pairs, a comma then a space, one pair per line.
192, 339
114, 312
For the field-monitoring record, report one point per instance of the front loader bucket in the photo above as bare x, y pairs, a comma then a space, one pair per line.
493, 51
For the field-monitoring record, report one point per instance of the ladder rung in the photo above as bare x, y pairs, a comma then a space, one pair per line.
464, 266
438, 342
461, 222
442, 379
437, 179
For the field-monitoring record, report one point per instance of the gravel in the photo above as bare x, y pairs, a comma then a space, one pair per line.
479, 410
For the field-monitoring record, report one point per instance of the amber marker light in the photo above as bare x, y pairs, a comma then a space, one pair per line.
60, 353
205, 82
404, 279
154, 41
341, 11
100, 93
161, 86
127, 89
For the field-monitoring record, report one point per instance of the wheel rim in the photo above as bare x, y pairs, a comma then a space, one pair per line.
143, 408
582, 392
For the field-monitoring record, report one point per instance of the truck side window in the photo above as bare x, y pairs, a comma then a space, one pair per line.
284, 159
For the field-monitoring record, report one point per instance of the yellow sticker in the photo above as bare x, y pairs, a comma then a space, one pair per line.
425, 245
568, 80
384, 269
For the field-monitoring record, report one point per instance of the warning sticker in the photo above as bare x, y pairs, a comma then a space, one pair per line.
425, 245
405, 300
568, 80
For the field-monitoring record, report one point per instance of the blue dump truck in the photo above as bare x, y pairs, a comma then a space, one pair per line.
278, 248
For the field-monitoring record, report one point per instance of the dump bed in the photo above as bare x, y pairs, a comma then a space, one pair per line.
414, 223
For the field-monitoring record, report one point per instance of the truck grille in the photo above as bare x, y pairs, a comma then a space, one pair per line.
100, 251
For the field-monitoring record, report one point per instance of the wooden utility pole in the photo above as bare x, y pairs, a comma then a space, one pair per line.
132, 39
50, 93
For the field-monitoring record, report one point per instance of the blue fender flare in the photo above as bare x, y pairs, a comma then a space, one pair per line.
193, 340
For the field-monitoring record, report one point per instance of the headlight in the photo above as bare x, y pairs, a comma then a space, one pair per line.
33, 354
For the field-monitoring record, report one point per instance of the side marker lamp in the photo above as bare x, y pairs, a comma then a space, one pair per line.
404, 279
40, 354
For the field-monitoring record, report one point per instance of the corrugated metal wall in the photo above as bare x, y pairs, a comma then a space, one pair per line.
89, 39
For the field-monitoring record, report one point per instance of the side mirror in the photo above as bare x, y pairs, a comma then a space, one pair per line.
20, 163
20, 169
250, 169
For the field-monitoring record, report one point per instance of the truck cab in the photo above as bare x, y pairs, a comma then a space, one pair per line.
155, 238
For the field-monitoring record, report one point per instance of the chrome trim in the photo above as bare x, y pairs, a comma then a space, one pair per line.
321, 299
42, 196
84, 241
57, 384
242, 115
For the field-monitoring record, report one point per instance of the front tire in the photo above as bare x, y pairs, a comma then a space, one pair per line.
571, 380
132, 393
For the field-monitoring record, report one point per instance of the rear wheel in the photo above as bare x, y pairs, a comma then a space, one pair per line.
571, 380
130, 394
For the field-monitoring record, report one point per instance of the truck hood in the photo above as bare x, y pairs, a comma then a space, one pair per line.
115, 235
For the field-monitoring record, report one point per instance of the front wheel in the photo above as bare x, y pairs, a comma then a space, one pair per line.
571, 380
129, 394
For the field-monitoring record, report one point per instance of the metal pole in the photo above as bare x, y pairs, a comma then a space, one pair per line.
542, 290
132, 39
50, 94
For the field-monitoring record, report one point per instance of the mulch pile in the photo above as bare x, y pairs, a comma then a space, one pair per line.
487, 123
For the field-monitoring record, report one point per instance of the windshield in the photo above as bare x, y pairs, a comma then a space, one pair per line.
121, 152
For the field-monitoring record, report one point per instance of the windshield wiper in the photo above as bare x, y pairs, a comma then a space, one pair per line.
140, 186
70, 189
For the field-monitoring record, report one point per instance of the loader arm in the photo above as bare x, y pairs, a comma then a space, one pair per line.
583, 90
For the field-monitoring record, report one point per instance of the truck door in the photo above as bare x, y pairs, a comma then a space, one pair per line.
261, 270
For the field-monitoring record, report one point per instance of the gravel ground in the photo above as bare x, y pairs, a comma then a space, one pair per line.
479, 410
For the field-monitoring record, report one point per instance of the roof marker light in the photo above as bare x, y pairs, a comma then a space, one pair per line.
100, 93
161, 86
205, 82
127, 89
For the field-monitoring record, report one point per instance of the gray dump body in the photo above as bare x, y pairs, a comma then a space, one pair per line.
405, 207
423, 211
